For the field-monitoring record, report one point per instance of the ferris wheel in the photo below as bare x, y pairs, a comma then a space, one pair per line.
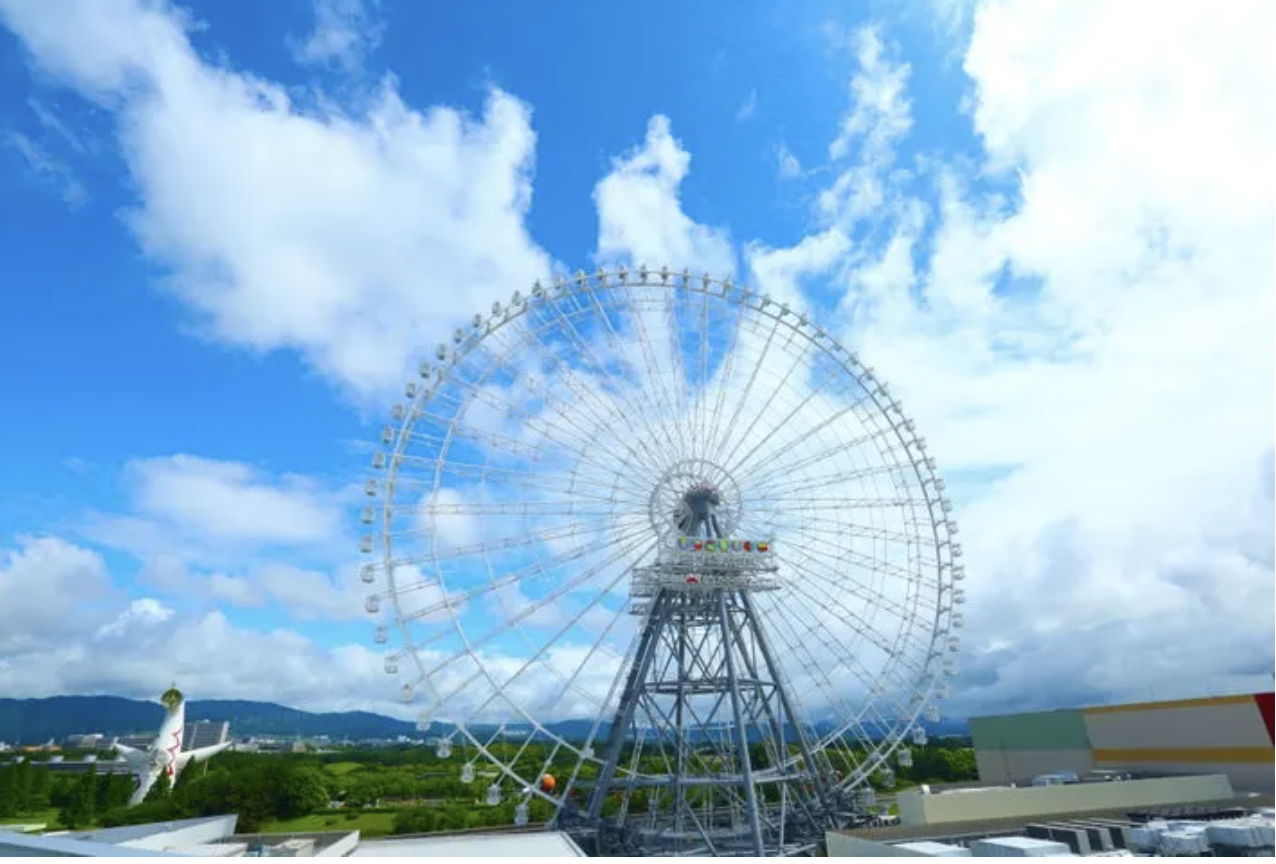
658, 560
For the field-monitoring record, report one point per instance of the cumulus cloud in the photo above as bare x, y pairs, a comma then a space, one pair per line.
139, 613
215, 511
1090, 353
640, 215
309, 594
864, 150
49, 588
172, 575
345, 32
283, 221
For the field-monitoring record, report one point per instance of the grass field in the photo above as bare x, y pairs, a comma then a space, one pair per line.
48, 817
367, 824
340, 769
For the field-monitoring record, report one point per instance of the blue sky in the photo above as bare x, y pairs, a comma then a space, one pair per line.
224, 243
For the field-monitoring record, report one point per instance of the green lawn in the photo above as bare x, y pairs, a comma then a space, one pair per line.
342, 768
48, 817
367, 824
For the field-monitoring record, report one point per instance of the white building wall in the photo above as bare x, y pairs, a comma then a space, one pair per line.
1028, 802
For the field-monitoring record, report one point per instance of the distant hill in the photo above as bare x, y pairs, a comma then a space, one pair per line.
34, 721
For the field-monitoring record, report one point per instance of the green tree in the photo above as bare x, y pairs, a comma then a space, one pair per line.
8, 790
416, 820
22, 785
300, 792
113, 791
41, 785
81, 808
160, 789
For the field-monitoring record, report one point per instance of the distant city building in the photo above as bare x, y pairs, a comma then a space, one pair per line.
90, 741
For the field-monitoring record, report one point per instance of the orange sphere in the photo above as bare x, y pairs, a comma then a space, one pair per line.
548, 783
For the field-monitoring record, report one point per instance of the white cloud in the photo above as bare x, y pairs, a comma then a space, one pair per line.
748, 108
1102, 342
343, 236
215, 513
142, 612
778, 272
308, 594
863, 152
640, 216
345, 32
45, 168
230, 501
173, 576
880, 115
136, 648
788, 164
48, 589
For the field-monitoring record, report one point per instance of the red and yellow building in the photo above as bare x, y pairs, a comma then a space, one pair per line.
1229, 735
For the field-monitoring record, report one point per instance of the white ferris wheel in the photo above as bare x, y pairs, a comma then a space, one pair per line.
660, 561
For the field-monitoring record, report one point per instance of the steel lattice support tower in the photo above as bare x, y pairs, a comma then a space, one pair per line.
730, 770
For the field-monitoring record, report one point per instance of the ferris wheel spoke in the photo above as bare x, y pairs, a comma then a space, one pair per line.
875, 598
837, 648
783, 466
800, 647
482, 547
667, 406
616, 387
652, 414
536, 659
747, 393
907, 615
798, 362
776, 426
549, 482
818, 525
862, 627
682, 415
492, 440
728, 367
579, 441
702, 432
581, 396
511, 579
779, 494
540, 603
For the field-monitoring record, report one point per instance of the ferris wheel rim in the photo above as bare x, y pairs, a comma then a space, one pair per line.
913, 449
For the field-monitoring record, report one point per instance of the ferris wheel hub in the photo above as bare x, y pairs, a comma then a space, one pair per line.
695, 497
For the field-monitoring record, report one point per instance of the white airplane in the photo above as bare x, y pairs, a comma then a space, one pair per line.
165, 755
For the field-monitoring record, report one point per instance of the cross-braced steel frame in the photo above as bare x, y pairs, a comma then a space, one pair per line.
728, 767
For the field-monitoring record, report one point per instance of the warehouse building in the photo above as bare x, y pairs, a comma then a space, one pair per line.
1228, 735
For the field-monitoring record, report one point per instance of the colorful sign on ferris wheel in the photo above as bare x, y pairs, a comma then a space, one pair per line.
723, 545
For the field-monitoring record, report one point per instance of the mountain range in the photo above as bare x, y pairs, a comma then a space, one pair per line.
34, 721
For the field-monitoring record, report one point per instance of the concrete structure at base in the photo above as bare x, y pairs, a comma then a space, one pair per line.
215, 837
1229, 735
1005, 802
1245, 825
